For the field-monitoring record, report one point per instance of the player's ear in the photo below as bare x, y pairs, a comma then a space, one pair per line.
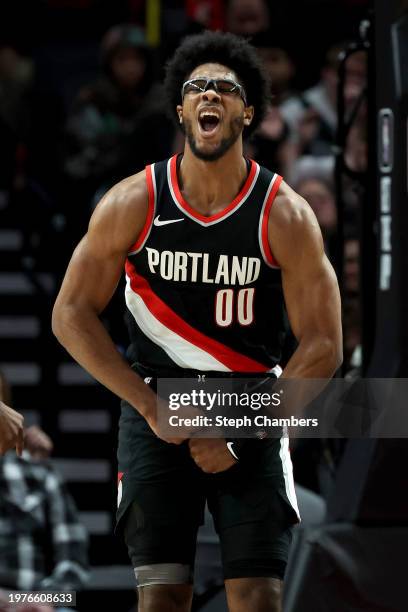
248, 115
179, 109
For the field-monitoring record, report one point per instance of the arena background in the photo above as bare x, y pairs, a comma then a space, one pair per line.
66, 135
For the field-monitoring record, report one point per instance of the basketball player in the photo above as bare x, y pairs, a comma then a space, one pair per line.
208, 240
11, 429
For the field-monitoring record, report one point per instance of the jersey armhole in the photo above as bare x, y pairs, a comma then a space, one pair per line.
263, 222
151, 207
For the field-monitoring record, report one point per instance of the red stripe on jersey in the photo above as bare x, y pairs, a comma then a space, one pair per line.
150, 211
120, 474
222, 213
265, 242
227, 356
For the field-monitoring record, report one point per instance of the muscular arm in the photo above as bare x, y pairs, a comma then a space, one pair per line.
310, 287
90, 281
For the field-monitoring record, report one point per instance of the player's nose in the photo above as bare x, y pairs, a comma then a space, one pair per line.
210, 95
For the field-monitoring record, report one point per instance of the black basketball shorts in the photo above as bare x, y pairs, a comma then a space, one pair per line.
162, 495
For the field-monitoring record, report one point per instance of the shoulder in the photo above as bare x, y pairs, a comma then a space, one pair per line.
290, 210
292, 227
127, 198
122, 212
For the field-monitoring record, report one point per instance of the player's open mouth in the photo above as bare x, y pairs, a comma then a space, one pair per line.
209, 122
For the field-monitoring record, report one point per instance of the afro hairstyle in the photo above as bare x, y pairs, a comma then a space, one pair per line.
226, 49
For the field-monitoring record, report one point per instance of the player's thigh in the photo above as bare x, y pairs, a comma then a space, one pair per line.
253, 517
160, 527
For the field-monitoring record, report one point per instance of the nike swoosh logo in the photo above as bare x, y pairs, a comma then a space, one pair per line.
158, 223
231, 450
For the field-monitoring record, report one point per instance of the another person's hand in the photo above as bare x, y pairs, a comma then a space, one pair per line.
38, 443
211, 454
11, 430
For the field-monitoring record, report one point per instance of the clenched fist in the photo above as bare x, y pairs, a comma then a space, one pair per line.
211, 454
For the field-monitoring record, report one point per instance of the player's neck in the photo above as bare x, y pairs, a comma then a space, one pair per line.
211, 186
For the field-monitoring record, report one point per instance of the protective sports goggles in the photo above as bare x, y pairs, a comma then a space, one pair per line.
221, 86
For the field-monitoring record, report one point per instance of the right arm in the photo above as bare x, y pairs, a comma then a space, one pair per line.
90, 281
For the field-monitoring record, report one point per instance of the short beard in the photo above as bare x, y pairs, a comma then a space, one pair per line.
236, 128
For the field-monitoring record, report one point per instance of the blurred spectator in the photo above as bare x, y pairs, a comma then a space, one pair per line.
30, 116
309, 166
117, 124
321, 167
320, 196
43, 546
313, 117
278, 63
16, 81
247, 17
270, 145
16, 75
208, 14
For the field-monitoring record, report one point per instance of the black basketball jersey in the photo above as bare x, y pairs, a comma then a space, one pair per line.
205, 292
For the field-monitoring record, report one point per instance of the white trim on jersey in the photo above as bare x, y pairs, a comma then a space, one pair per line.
120, 492
287, 469
180, 350
271, 184
208, 223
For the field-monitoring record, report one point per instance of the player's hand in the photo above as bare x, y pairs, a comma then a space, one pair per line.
165, 432
152, 422
38, 443
11, 430
211, 454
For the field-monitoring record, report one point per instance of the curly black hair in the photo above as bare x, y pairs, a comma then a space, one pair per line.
221, 48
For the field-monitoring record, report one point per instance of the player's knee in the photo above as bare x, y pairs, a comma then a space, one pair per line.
165, 598
256, 595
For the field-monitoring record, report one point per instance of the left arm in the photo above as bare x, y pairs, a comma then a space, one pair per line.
310, 288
